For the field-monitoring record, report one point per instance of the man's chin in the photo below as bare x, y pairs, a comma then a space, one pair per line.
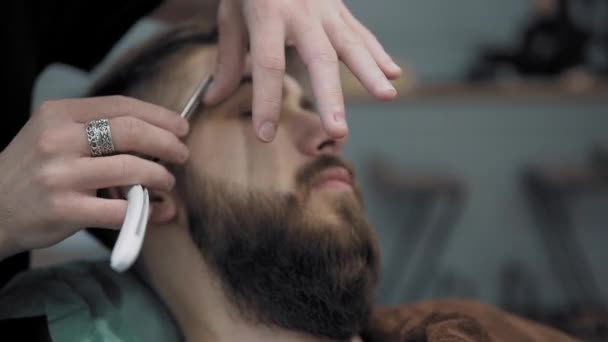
337, 194
331, 195
330, 207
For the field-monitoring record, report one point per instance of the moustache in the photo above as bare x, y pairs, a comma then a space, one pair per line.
307, 173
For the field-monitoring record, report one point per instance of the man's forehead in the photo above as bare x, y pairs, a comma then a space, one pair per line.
200, 61
203, 60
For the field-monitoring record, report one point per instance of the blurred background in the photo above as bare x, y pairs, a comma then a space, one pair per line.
487, 178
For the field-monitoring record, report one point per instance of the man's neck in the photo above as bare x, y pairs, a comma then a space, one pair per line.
175, 268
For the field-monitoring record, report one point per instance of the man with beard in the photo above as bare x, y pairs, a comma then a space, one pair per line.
265, 241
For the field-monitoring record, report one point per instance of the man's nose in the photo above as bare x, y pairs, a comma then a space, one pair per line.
313, 139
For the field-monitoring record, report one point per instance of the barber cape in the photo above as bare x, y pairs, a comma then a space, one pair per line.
83, 302
89, 302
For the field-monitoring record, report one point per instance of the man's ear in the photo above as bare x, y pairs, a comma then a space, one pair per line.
163, 205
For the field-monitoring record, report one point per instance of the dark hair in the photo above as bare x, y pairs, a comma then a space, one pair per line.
138, 65
147, 60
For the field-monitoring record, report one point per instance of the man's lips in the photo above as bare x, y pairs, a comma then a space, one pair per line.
335, 178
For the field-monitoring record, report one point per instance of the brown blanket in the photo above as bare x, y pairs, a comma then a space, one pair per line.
454, 320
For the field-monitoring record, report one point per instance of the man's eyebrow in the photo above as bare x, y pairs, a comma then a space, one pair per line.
248, 79
305, 102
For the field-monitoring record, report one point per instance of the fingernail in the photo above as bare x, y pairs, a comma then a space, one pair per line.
395, 67
184, 155
339, 117
209, 97
171, 182
183, 127
267, 131
389, 89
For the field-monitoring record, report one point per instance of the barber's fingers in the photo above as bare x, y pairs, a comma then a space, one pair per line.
355, 54
129, 135
321, 59
267, 34
384, 61
86, 109
132, 135
89, 211
232, 49
116, 171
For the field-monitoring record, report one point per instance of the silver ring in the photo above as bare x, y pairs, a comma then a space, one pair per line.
99, 138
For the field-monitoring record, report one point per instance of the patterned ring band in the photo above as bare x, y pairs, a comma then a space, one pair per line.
99, 138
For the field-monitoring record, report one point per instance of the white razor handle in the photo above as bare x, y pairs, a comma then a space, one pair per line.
131, 237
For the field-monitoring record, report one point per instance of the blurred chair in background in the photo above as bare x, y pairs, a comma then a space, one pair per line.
432, 204
550, 190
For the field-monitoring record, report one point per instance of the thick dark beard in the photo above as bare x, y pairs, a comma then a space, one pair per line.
281, 266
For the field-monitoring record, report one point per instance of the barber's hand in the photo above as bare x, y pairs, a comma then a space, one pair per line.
323, 31
48, 179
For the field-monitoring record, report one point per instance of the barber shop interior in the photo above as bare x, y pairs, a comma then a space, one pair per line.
357, 171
